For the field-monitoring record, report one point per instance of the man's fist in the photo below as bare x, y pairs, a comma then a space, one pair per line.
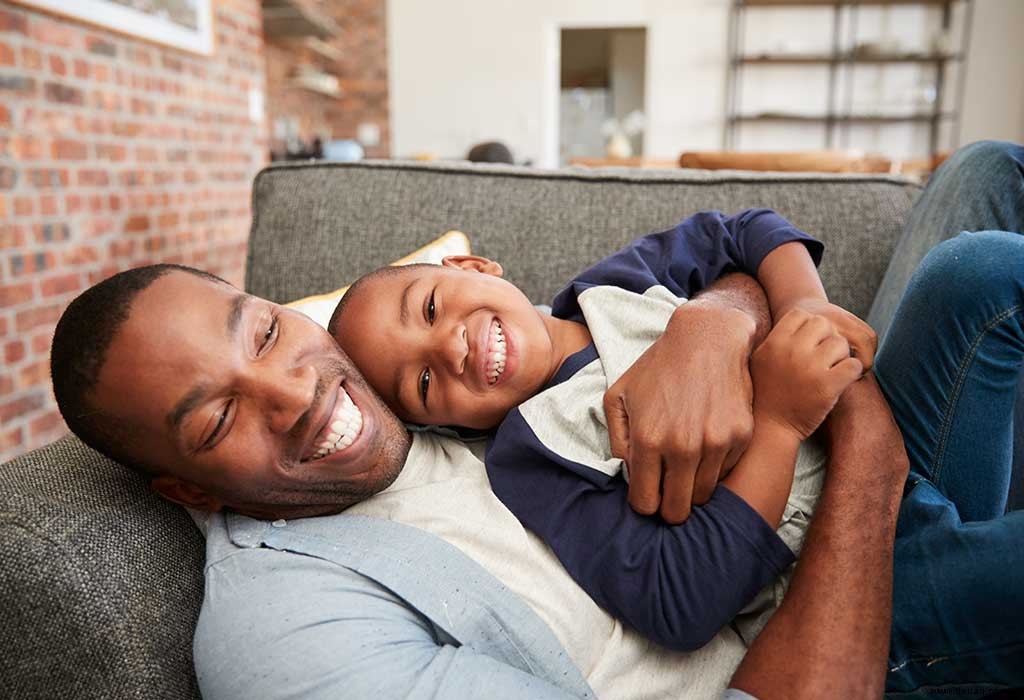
800, 371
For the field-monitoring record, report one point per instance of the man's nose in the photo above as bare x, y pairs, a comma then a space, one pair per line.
284, 396
451, 352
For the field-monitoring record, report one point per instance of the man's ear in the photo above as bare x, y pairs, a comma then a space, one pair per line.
185, 493
473, 263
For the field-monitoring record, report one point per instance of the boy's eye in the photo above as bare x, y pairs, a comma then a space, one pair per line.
267, 336
430, 308
424, 385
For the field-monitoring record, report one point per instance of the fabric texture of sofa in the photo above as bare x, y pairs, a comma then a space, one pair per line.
101, 581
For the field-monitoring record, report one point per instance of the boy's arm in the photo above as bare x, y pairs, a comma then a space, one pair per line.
676, 584
790, 280
837, 614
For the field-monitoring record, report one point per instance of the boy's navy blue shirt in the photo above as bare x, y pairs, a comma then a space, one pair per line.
677, 585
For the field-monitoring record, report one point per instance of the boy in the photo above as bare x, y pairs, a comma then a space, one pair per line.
457, 345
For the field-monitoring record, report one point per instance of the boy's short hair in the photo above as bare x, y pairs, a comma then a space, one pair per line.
79, 349
357, 288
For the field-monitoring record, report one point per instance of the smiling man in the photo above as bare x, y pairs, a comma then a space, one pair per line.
223, 399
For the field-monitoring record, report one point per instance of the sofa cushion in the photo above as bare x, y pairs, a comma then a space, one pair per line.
102, 580
319, 224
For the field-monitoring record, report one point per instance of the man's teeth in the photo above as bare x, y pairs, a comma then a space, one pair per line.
496, 353
343, 429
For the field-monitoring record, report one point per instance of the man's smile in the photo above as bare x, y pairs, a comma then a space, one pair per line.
337, 429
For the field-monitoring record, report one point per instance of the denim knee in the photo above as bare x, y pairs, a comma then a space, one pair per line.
987, 159
974, 267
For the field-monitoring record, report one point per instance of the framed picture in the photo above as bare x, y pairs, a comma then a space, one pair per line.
183, 24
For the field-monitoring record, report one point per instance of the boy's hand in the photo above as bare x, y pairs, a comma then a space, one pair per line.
862, 338
800, 371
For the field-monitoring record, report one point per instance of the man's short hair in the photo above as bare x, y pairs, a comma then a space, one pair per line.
357, 288
80, 344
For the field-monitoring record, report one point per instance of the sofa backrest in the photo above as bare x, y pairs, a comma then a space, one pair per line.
320, 225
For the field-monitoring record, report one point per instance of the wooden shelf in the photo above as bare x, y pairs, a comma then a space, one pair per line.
841, 118
285, 19
833, 3
825, 59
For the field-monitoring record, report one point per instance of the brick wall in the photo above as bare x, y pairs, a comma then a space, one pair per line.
361, 68
114, 152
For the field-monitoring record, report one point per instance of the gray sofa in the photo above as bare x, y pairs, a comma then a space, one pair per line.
101, 581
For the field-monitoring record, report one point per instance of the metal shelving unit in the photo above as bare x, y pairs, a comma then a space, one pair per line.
840, 59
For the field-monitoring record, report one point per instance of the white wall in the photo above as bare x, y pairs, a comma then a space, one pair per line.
994, 94
464, 71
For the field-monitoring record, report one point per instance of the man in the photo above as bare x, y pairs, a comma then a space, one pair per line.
222, 398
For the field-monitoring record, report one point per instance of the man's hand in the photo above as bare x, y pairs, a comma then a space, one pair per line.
800, 371
681, 416
862, 338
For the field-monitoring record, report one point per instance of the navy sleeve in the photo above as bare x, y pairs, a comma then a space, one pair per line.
689, 257
675, 584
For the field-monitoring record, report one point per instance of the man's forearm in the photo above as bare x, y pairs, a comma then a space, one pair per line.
830, 637
742, 292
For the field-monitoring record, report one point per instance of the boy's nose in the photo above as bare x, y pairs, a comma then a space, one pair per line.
454, 350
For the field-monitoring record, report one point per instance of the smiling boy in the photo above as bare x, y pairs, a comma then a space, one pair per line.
458, 345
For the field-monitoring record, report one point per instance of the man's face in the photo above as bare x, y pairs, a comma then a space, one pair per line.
242, 403
449, 345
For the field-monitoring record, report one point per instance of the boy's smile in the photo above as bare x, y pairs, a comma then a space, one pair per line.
452, 344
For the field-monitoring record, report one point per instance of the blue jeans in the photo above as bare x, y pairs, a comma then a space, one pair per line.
949, 366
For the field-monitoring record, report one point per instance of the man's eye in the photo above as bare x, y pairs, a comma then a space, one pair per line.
424, 385
430, 308
220, 424
268, 335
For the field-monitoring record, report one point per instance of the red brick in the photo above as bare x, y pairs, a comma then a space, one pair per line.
28, 263
114, 202
93, 177
39, 316
27, 147
57, 33
81, 68
41, 343
13, 294
3, 327
6, 385
23, 206
31, 59
13, 351
11, 236
58, 66
6, 54
61, 284
65, 94
167, 219
73, 204
12, 439
45, 424
48, 205
101, 46
11, 21
122, 248
136, 224
80, 255
5, 117
14, 408
69, 149
34, 374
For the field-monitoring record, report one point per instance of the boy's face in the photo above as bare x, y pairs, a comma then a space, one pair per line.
452, 344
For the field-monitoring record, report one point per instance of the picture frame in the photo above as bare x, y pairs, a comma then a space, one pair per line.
181, 24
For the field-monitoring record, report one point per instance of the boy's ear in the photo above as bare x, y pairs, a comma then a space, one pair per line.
184, 493
473, 263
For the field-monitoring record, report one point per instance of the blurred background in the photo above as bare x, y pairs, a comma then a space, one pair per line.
131, 130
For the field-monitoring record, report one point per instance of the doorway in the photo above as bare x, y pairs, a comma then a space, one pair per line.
601, 92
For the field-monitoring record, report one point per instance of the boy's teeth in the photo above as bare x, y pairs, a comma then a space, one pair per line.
496, 353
